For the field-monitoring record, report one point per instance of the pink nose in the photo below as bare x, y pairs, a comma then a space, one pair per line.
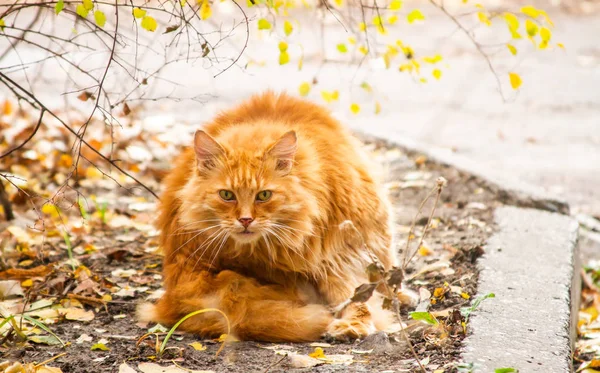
245, 221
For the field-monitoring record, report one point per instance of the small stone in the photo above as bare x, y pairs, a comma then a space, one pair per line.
378, 342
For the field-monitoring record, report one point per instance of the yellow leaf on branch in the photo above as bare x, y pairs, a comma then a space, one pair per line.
515, 80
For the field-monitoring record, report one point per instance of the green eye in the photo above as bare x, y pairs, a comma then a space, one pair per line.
263, 196
227, 195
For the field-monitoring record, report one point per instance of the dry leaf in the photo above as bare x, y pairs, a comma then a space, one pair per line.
302, 361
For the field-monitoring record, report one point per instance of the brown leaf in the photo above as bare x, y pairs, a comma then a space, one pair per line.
84, 96
126, 109
20, 274
395, 277
364, 292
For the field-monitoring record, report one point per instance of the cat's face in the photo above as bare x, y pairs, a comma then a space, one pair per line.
246, 193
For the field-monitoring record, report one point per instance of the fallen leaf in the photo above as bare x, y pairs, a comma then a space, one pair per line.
319, 344
10, 288
302, 361
317, 353
78, 314
124, 368
83, 338
155, 368
198, 346
99, 346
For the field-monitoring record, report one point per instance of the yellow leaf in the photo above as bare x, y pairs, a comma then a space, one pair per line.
543, 44
437, 73
377, 108
99, 346
531, 28
182, 3
329, 96
51, 210
80, 10
560, 45
284, 58
205, 10
362, 49
512, 49
198, 346
362, 27
432, 60
342, 48
339, 2
149, 23
530, 11
300, 63
395, 5
366, 86
355, 108
27, 283
100, 18
415, 15
465, 295
424, 251
263, 24
545, 34
318, 353
283, 46
483, 18
88, 4
351, 40
304, 89
515, 34
515, 80
139, 13
287, 28
512, 21
393, 19
479, 6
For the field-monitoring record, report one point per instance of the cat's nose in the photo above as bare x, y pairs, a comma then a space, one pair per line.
245, 221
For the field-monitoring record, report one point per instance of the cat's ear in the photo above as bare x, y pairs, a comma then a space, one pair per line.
206, 149
284, 150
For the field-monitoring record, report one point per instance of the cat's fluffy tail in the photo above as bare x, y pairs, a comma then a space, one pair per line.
254, 311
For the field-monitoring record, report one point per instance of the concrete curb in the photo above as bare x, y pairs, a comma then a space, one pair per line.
524, 194
531, 263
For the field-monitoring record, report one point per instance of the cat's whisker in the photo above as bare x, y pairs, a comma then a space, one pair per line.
207, 244
294, 229
183, 227
192, 238
223, 241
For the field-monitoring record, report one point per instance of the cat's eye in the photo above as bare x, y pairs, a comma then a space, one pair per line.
264, 196
227, 195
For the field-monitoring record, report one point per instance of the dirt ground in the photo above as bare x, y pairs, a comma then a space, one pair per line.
122, 268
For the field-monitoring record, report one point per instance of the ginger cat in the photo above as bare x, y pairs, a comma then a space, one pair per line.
250, 224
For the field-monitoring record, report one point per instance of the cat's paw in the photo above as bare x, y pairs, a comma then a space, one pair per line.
348, 330
355, 322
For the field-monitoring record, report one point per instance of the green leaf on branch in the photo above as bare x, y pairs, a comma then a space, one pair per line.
80, 10
88, 4
424, 316
342, 48
100, 18
59, 6
149, 23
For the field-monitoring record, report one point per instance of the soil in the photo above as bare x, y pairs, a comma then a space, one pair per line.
462, 223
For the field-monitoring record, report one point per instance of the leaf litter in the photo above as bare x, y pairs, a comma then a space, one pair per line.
80, 261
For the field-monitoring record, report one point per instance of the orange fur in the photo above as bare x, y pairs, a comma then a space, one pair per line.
279, 282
